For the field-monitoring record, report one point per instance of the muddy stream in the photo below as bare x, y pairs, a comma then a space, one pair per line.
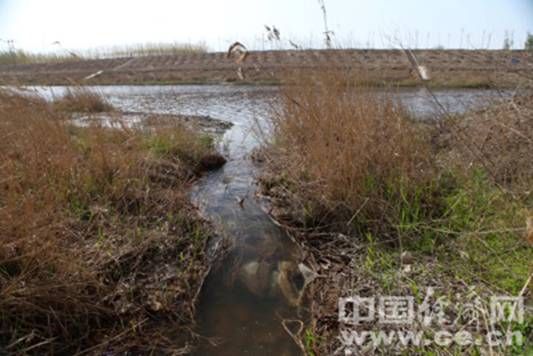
258, 283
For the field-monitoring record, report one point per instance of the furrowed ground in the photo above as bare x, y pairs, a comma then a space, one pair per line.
448, 68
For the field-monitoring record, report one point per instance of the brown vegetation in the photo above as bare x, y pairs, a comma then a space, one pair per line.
98, 240
501, 137
148, 49
385, 205
21, 57
82, 100
355, 150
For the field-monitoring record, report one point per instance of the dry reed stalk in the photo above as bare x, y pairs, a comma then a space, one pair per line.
91, 222
82, 100
344, 149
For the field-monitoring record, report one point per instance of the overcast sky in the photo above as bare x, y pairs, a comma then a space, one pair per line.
35, 24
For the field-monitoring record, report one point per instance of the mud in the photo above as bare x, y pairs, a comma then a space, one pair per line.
200, 123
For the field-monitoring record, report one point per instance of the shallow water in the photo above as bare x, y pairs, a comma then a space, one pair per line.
245, 322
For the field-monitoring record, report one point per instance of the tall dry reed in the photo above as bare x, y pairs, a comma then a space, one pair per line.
347, 153
92, 221
82, 100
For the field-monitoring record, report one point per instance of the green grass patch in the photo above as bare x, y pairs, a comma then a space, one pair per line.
475, 233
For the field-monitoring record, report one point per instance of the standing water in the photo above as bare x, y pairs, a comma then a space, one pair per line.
258, 283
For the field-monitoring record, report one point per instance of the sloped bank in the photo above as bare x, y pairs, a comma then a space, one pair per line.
386, 206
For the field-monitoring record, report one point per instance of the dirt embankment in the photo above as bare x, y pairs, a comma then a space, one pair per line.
454, 68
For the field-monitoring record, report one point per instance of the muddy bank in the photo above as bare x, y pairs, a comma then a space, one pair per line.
199, 123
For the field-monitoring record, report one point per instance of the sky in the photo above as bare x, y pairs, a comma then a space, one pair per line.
83, 24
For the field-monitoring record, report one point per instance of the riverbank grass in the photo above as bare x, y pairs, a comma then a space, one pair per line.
101, 250
387, 205
82, 100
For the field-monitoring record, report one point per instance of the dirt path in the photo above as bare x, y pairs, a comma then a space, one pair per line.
462, 68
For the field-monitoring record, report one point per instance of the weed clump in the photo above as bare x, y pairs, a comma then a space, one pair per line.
82, 100
500, 139
347, 156
101, 249
388, 206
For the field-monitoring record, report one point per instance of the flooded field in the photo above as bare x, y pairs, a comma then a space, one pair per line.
259, 283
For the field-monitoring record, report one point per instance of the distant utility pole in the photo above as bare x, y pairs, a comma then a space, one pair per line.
12, 50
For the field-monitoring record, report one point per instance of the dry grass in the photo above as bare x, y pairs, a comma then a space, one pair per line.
345, 150
18, 57
82, 100
382, 209
500, 137
23, 57
99, 242
148, 49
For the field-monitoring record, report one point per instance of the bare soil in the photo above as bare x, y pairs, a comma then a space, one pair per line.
453, 68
